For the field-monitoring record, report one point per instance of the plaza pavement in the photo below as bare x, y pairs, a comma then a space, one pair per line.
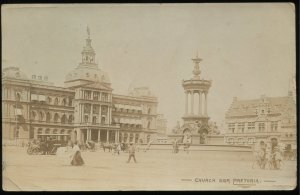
155, 170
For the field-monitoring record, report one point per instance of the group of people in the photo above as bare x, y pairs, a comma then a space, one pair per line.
186, 145
43, 147
268, 156
72, 151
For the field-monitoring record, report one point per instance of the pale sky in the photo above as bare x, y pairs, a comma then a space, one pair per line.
247, 49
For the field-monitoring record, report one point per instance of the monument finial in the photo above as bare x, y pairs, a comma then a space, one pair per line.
88, 31
196, 70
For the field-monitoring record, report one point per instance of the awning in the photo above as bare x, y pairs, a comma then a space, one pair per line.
34, 97
18, 112
42, 98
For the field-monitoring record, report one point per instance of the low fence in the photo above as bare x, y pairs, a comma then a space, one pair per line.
202, 147
16, 142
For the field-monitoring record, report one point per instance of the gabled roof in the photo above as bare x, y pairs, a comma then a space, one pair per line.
250, 107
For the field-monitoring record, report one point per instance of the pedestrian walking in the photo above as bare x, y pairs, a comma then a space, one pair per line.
148, 146
131, 151
76, 159
119, 148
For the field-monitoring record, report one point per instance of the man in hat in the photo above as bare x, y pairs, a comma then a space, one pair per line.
131, 151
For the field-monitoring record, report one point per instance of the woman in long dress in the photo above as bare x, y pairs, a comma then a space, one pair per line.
76, 159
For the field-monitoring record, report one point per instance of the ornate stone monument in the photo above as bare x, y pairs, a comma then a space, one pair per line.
195, 119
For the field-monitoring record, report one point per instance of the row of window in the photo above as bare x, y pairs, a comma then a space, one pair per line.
54, 131
251, 127
127, 110
94, 119
241, 141
95, 95
95, 109
41, 117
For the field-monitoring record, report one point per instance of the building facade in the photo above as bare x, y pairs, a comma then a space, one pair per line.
252, 121
85, 109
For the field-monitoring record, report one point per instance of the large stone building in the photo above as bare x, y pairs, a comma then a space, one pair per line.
85, 108
250, 121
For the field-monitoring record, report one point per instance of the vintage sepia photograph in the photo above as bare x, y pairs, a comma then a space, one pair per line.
130, 97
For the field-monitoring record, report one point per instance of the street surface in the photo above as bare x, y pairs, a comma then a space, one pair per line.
155, 170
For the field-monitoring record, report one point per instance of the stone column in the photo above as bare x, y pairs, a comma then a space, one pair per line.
100, 113
200, 103
78, 133
186, 102
115, 136
107, 135
192, 102
109, 115
35, 133
205, 106
99, 135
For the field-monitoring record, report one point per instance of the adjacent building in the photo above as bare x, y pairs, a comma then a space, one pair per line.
86, 108
161, 125
250, 121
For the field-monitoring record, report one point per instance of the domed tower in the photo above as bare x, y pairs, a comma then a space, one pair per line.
93, 97
87, 71
196, 117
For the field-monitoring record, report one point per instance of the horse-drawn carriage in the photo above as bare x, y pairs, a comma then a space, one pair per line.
47, 143
290, 152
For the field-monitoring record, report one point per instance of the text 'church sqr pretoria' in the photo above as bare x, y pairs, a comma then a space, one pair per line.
85, 109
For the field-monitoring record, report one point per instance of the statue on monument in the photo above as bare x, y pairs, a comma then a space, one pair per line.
176, 129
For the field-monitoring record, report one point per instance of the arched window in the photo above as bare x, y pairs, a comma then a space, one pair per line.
55, 131
70, 119
56, 101
62, 131
18, 97
64, 102
48, 117
130, 137
49, 100
56, 116
149, 110
125, 137
250, 140
40, 131
41, 116
70, 101
47, 131
94, 120
240, 140
102, 119
33, 115
63, 119
230, 140
136, 138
